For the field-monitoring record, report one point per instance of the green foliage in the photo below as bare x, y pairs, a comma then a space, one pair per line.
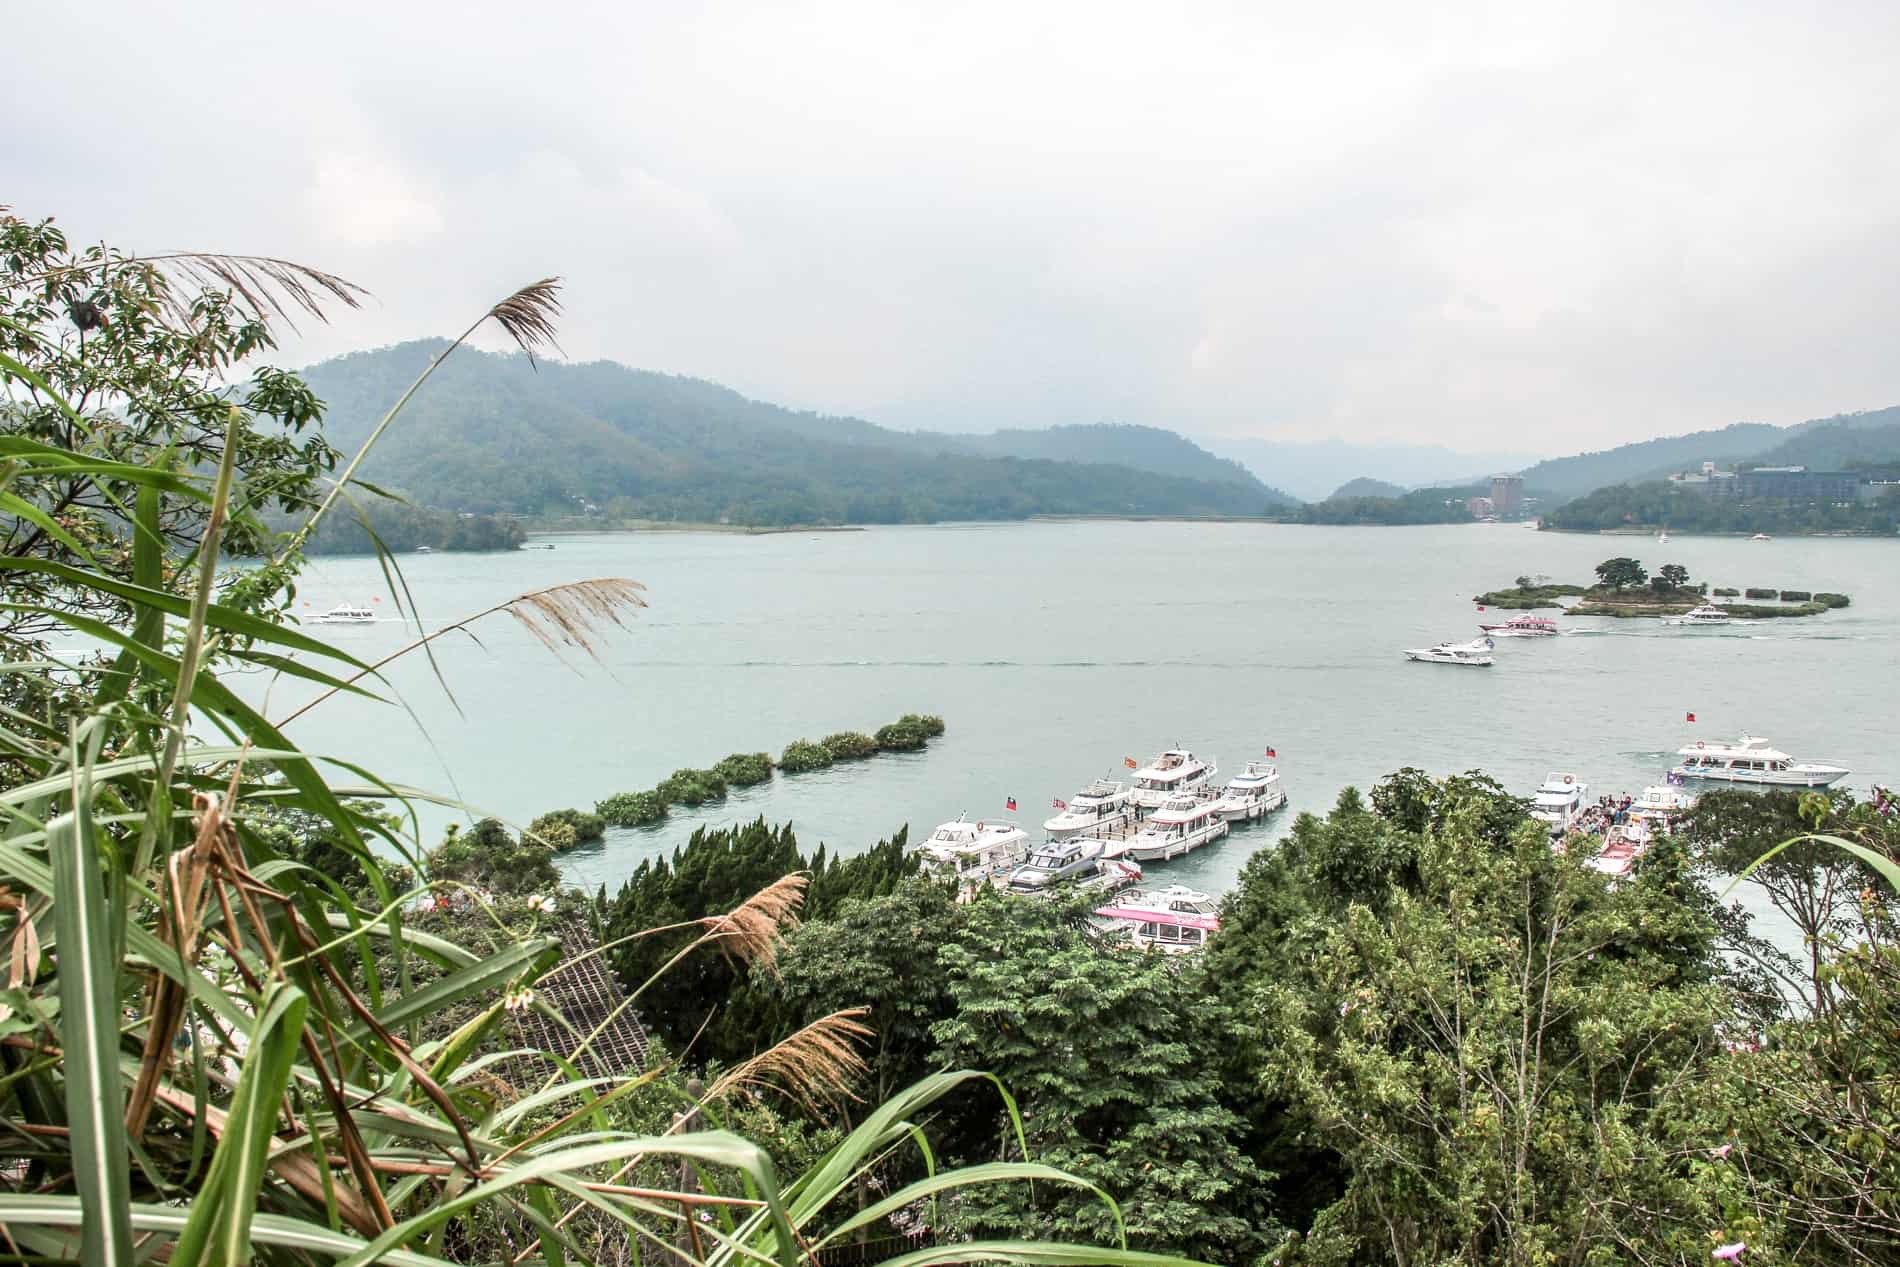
1660, 502
1108, 1051
1501, 1053
802, 755
929, 723
1621, 573
488, 857
1795, 596
902, 736
691, 787
402, 527
1723, 591
742, 769
1832, 600
1673, 575
849, 745
714, 872
632, 809
582, 827
1760, 592
1420, 506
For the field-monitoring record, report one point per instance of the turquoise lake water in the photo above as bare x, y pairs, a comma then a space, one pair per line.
1054, 650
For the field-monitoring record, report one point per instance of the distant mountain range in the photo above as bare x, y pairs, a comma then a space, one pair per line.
1314, 470
492, 433
1363, 487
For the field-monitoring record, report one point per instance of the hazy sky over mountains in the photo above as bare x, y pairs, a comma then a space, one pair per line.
1531, 226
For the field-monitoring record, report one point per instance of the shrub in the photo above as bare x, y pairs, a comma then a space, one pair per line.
801, 755
1752, 592
488, 857
587, 827
932, 725
1725, 592
742, 769
1831, 600
632, 809
556, 833
849, 745
691, 787
901, 736
1795, 596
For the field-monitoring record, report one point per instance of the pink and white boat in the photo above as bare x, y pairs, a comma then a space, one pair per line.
1176, 920
1524, 625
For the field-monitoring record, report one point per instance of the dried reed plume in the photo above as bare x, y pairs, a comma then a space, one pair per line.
818, 1063
528, 315
263, 285
753, 931
575, 613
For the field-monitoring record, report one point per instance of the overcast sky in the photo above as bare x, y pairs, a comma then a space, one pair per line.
1529, 226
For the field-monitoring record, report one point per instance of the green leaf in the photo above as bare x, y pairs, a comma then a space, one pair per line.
1888, 869
930, 1186
169, 1220
219, 1230
89, 1029
480, 977
1033, 1252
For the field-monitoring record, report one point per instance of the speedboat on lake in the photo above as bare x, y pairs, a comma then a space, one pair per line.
1100, 804
1174, 771
1524, 625
983, 852
1706, 615
1254, 793
1751, 760
345, 614
1183, 824
1053, 863
1475, 654
1558, 803
1174, 920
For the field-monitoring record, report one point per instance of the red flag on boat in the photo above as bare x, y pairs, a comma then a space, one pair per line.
1011, 802
1131, 763
1691, 717
1480, 606
1272, 753
1057, 803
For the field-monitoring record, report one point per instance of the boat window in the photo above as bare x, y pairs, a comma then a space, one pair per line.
1146, 930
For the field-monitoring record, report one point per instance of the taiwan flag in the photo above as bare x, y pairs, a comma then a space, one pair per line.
1273, 752
1690, 717
1131, 763
1056, 802
1011, 803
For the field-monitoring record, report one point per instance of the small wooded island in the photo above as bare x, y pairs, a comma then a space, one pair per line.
1625, 588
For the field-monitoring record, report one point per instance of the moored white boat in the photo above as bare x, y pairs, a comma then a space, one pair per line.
345, 614
1475, 654
1253, 793
1761, 536
1174, 920
983, 852
1752, 760
1055, 862
1100, 805
1523, 625
1708, 615
1174, 771
1661, 804
1558, 802
1183, 824
1626, 843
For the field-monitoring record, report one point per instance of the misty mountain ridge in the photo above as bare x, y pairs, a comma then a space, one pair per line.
1314, 469
492, 433
1364, 487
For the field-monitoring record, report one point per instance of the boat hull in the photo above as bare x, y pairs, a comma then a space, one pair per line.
1469, 662
1175, 846
1252, 808
1825, 777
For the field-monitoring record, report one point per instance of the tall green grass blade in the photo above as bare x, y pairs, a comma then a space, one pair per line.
481, 977
89, 1018
1886, 867
219, 1231
1036, 1252
274, 1230
993, 1172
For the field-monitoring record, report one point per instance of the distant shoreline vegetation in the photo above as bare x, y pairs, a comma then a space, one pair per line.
1660, 504
402, 527
1625, 589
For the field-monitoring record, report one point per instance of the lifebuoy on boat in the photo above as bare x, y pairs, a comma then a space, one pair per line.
1569, 779
1698, 743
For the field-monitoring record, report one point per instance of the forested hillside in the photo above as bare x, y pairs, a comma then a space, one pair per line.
1364, 487
1871, 439
493, 433
1144, 448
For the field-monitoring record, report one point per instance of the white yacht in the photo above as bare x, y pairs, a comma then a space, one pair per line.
1174, 920
1761, 536
1661, 804
1254, 793
345, 614
1559, 802
1101, 804
983, 852
1182, 824
1176, 770
1475, 654
1662, 538
1751, 760
1706, 615
1055, 862
1524, 625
